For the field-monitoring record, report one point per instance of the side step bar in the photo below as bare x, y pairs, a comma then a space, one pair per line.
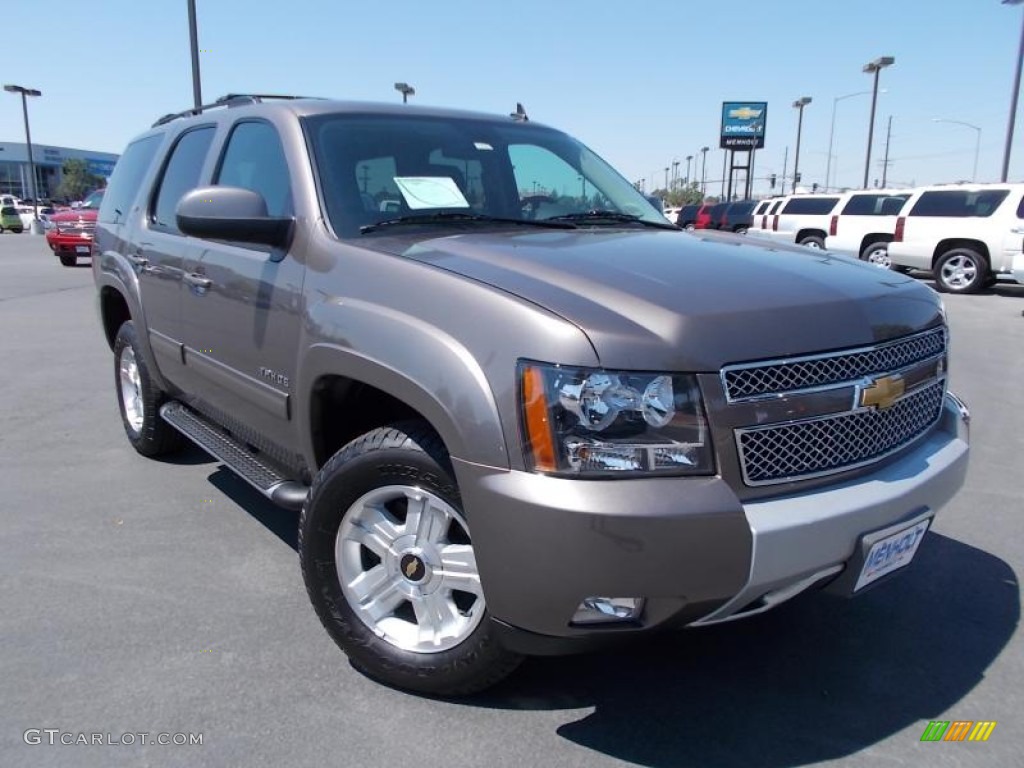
259, 474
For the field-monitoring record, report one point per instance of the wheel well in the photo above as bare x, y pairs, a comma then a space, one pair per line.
342, 409
808, 233
114, 311
945, 246
874, 237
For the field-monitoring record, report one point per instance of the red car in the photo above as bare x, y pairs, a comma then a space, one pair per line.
70, 233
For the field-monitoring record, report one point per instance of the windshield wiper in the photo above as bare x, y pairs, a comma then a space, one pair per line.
449, 217
596, 216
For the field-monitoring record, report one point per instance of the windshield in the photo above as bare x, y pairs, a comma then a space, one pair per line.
382, 168
93, 201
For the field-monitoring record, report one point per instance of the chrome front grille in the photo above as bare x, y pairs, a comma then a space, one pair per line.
815, 447
752, 380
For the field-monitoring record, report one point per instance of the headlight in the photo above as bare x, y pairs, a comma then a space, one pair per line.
588, 422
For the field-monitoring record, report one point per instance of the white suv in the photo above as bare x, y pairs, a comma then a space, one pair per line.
967, 235
802, 219
864, 222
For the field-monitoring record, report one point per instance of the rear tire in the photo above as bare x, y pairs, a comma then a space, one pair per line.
68, 259
961, 270
878, 255
139, 399
389, 566
813, 241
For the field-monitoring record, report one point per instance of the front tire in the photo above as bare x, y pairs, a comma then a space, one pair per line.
139, 399
961, 270
390, 569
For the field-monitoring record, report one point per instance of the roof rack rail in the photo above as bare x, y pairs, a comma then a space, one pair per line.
228, 100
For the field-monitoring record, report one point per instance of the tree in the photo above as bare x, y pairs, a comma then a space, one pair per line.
76, 180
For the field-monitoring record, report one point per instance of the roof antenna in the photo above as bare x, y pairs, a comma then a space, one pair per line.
520, 114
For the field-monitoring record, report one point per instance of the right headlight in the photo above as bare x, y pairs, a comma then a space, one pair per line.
588, 422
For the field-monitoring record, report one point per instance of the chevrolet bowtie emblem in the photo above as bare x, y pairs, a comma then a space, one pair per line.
883, 392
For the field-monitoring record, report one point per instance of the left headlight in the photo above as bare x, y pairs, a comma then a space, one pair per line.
592, 422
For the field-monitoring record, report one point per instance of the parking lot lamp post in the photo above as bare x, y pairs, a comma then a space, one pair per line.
675, 174
800, 103
977, 140
36, 228
703, 170
874, 67
1013, 98
688, 159
406, 90
832, 133
193, 36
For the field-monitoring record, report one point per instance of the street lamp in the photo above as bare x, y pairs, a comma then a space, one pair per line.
1013, 99
703, 169
799, 104
977, 140
874, 67
688, 159
666, 179
406, 90
832, 133
36, 228
675, 173
193, 36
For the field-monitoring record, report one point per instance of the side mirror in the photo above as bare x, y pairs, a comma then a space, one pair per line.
231, 213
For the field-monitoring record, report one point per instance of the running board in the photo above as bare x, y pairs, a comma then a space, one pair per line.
262, 476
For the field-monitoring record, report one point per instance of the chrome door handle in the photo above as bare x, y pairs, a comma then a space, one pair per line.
197, 280
140, 262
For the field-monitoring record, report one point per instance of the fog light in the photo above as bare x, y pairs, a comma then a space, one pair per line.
602, 610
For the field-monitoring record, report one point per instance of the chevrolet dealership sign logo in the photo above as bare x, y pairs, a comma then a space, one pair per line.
745, 113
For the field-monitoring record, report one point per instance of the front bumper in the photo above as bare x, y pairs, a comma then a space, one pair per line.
687, 545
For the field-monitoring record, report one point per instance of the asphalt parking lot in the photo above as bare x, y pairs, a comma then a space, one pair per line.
165, 597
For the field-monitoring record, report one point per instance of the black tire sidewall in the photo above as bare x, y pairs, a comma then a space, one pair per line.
353, 472
818, 241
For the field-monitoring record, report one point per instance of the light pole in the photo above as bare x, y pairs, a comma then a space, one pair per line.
799, 104
977, 139
874, 67
193, 35
406, 90
688, 159
703, 169
675, 174
666, 180
832, 133
1013, 99
36, 228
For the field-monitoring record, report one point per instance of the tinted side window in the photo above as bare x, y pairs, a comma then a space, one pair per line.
254, 159
959, 202
775, 208
128, 174
1020, 209
181, 174
874, 205
811, 205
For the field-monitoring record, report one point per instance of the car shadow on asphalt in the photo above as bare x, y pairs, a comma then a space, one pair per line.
283, 523
818, 679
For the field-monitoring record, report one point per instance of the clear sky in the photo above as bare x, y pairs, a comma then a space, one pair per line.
640, 83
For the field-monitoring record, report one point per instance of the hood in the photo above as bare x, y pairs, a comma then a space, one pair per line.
86, 214
671, 301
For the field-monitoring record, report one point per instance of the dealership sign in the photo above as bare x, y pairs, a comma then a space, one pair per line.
743, 124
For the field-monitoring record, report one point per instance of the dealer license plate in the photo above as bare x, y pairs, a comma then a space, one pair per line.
891, 553
82, 249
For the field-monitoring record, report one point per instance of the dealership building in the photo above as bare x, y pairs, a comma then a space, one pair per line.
14, 167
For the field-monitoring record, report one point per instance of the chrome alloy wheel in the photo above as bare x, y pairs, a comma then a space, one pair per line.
959, 272
879, 257
131, 389
407, 569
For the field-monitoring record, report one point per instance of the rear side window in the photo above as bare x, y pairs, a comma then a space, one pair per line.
1020, 209
124, 183
181, 175
254, 159
762, 207
811, 205
775, 207
874, 205
960, 203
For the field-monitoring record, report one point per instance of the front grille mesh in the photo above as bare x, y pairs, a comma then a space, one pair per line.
831, 444
804, 373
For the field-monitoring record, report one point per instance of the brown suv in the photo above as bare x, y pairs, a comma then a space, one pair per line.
521, 413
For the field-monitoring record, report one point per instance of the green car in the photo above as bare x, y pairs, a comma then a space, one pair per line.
9, 219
